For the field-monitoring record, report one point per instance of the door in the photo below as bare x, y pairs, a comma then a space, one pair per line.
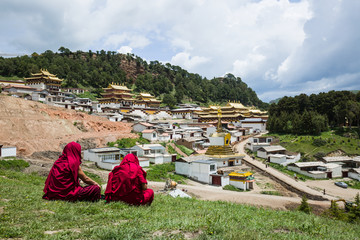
216, 180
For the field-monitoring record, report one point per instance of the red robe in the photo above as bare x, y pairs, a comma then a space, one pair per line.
62, 181
125, 183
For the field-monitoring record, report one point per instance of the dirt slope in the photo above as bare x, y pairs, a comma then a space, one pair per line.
40, 129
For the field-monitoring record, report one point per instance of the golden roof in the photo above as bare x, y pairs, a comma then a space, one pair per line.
44, 74
237, 174
118, 87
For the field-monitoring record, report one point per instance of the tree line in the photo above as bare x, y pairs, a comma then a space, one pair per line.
313, 114
95, 70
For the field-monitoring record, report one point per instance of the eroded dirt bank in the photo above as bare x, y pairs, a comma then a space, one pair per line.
43, 130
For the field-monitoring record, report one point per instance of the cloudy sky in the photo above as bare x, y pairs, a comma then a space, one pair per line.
277, 47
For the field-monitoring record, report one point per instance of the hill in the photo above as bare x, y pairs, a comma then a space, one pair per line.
96, 70
43, 130
24, 214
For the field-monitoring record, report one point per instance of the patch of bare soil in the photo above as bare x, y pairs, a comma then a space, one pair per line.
42, 130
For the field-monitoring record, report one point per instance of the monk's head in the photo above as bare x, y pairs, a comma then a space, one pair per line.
72, 150
130, 158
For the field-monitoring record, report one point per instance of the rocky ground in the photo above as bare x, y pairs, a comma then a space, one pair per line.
41, 131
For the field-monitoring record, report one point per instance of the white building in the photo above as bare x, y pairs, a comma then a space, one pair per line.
354, 173
156, 153
143, 161
284, 159
106, 158
317, 170
7, 151
254, 143
141, 126
199, 168
242, 180
264, 152
257, 124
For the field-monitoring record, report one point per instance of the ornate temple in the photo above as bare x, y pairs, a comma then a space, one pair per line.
44, 81
147, 100
117, 94
232, 112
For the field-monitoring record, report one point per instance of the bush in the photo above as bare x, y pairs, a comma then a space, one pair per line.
319, 142
319, 155
304, 206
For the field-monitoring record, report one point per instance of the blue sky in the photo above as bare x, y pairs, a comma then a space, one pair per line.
277, 47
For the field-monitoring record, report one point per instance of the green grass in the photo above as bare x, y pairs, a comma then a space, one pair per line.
276, 193
334, 140
171, 150
24, 214
353, 184
13, 164
232, 188
161, 172
185, 150
94, 177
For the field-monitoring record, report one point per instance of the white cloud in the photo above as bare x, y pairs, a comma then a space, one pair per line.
275, 46
125, 49
184, 59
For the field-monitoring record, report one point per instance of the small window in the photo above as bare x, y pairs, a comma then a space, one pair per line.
255, 140
269, 140
154, 135
212, 167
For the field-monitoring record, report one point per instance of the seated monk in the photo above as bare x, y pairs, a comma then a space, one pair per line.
63, 180
127, 183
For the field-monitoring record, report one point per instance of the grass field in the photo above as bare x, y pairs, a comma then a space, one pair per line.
332, 140
24, 214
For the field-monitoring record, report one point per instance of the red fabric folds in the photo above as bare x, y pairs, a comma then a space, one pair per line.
62, 181
125, 183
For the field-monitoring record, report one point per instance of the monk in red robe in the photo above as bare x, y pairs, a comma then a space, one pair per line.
127, 183
62, 182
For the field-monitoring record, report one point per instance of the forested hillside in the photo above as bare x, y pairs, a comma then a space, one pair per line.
95, 70
313, 114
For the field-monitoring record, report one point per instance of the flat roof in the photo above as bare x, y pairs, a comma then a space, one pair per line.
274, 148
105, 149
204, 161
338, 159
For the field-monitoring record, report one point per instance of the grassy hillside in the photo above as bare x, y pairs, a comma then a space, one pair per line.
317, 146
23, 214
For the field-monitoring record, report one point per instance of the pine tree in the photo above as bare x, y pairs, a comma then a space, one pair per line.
304, 206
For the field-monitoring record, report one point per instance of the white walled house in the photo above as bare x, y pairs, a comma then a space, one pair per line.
284, 159
354, 173
264, 152
141, 126
254, 143
106, 158
199, 168
257, 124
316, 170
150, 134
156, 153
7, 151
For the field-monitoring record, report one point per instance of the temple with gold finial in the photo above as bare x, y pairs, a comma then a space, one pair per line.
220, 149
231, 113
118, 95
44, 81
146, 100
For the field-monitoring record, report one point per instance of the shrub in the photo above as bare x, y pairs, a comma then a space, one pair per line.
319, 155
232, 188
304, 206
319, 142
